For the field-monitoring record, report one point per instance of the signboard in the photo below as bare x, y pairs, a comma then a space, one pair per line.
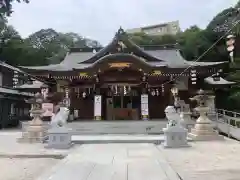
83, 74
97, 106
157, 72
144, 105
119, 65
48, 109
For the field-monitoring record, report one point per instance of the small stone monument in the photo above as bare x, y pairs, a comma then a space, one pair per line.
35, 130
59, 136
203, 129
175, 135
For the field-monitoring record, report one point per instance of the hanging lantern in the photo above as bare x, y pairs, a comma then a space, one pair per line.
124, 90
193, 75
157, 92
162, 89
153, 93
66, 92
230, 46
44, 90
174, 91
84, 94
15, 79
116, 90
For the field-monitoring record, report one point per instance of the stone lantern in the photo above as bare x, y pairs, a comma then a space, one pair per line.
34, 130
203, 129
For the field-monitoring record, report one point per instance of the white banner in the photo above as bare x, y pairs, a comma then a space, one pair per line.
144, 105
98, 105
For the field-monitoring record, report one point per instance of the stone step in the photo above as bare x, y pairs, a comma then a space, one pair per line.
101, 139
118, 127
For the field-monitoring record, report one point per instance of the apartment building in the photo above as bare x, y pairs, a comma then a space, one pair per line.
169, 28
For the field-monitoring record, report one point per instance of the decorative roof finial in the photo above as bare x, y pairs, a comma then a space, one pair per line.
120, 30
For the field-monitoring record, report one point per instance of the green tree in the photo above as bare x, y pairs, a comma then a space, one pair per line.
143, 39
54, 45
6, 6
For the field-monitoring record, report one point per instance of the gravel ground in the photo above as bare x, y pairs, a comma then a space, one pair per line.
24, 169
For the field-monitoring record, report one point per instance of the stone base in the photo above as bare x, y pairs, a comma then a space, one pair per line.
175, 137
204, 135
59, 146
29, 140
165, 145
33, 134
59, 138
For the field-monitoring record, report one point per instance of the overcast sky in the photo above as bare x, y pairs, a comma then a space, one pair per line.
100, 19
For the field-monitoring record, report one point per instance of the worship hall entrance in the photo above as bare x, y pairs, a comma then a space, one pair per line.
124, 103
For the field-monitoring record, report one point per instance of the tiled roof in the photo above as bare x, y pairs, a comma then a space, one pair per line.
169, 57
13, 91
34, 85
210, 80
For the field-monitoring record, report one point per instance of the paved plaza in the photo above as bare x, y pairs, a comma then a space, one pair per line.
113, 162
212, 160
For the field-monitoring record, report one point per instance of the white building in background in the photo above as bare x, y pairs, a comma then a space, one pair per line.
169, 28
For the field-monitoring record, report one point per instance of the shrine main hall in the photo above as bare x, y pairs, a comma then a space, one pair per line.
124, 81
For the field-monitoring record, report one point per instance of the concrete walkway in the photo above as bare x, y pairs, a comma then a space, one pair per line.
113, 162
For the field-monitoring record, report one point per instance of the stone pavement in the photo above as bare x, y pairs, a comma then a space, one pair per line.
214, 160
20, 161
11, 148
113, 162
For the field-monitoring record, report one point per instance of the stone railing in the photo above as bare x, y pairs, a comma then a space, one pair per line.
229, 117
228, 122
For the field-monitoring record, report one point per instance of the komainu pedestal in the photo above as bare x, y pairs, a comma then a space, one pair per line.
175, 136
59, 136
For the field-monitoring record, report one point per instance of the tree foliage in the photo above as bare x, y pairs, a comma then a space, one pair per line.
6, 6
43, 47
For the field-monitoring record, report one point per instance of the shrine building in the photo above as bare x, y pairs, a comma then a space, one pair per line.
124, 81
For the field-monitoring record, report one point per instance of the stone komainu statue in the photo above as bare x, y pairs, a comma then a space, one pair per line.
60, 118
172, 116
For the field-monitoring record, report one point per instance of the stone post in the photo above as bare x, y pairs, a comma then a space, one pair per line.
203, 129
